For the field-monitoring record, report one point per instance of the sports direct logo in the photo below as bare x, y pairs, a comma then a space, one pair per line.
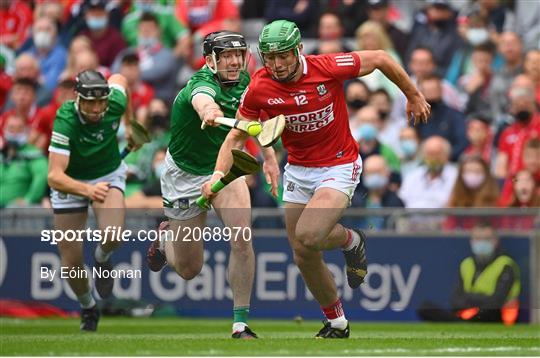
310, 121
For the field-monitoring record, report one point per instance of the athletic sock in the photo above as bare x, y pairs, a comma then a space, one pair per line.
353, 239
100, 255
335, 315
240, 318
86, 300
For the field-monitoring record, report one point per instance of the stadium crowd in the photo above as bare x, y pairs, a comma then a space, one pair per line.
477, 62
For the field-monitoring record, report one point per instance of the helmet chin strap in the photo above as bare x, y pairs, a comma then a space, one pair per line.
84, 115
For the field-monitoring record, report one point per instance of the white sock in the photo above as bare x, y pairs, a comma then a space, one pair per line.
100, 255
239, 326
354, 242
86, 300
339, 323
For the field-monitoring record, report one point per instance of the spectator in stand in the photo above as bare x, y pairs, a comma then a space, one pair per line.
513, 138
5, 83
436, 28
480, 136
302, 12
475, 32
531, 67
206, 16
27, 66
525, 24
15, 22
48, 51
531, 162
475, 187
409, 145
430, 185
351, 12
526, 193
88, 60
148, 195
377, 10
42, 127
23, 168
365, 129
141, 93
77, 46
174, 35
476, 84
390, 128
377, 194
356, 95
330, 34
510, 48
444, 121
157, 64
371, 35
107, 41
422, 64
23, 95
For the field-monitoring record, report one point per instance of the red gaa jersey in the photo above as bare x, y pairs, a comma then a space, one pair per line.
317, 133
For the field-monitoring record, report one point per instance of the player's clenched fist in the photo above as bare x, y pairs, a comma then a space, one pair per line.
210, 115
418, 108
98, 192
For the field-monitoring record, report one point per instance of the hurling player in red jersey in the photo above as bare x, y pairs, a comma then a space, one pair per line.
324, 166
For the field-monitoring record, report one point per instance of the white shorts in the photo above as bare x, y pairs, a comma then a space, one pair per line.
63, 202
300, 183
180, 190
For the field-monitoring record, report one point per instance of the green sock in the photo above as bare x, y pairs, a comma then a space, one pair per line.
241, 314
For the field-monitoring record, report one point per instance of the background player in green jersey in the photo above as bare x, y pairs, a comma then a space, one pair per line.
85, 167
213, 91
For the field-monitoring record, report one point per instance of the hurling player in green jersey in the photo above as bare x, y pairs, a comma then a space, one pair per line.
213, 91
85, 168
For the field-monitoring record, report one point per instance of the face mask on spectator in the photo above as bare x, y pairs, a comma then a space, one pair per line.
356, 103
408, 147
147, 41
383, 115
523, 116
434, 166
473, 180
145, 6
96, 23
43, 39
160, 169
365, 132
16, 139
375, 181
159, 121
477, 36
482, 248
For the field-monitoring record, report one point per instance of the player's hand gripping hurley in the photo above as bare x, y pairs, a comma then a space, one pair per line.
243, 164
267, 132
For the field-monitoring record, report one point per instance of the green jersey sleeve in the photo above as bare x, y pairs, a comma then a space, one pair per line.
117, 100
63, 129
203, 85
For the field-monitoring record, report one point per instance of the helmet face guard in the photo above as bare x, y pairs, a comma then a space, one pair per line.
278, 37
215, 44
91, 86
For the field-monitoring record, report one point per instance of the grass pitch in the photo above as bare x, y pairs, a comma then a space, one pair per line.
195, 337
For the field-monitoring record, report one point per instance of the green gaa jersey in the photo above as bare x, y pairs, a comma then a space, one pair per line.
92, 148
193, 149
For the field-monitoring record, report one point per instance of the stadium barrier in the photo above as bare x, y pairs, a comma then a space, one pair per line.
413, 256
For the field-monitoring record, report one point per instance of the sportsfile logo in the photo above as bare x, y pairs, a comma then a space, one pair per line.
310, 121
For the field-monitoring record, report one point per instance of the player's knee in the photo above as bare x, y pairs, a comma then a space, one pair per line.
242, 249
308, 237
187, 271
303, 256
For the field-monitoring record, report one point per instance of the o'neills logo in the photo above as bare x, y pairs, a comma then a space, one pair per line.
310, 121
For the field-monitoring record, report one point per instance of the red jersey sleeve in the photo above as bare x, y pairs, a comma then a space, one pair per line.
341, 66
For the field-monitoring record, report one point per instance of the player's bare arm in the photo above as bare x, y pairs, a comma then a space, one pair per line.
417, 107
59, 180
271, 169
207, 109
121, 81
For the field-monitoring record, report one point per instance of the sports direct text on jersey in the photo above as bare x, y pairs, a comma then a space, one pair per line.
310, 121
